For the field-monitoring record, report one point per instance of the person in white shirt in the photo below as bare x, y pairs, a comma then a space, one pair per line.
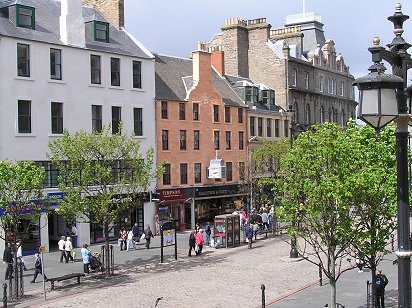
265, 219
74, 235
68, 247
20, 255
130, 242
61, 248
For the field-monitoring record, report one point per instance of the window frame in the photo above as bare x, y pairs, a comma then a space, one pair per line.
216, 139
227, 114
228, 140
56, 118
260, 126
116, 119
24, 118
56, 65
241, 140
183, 173
165, 140
32, 16
115, 72
25, 60
182, 140
97, 121
197, 172
106, 38
138, 121
195, 111
294, 77
321, 83
306, 79
252, 126
196, 140
229, 171
182, 111
167, 175
97, 69
137, 74
240, 115
164, 110
215, 113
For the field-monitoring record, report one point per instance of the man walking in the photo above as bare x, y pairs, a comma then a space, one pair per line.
208, 232
148, 235
380, 282
135, 231
249, 235
8, 259
37, 268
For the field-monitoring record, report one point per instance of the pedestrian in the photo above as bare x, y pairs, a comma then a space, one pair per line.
123, 239
130, 243
74, 235
148, 235
265, 219
249, 235
19, 255
359, 263
243, 219
208, 232
68, 247
37, 268
380, 283
192, 242
135, 230
61, 248
86, 258
197, 227
8, 259
199, 242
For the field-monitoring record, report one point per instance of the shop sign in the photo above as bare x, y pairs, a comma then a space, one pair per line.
216, 191
171, 194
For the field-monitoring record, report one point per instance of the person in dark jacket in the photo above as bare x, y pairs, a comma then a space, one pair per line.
380, 282
208, 232
249, 235
148, 235
135, 231
37, 268
8, 258
192, 242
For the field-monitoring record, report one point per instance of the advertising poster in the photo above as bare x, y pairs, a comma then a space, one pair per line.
168, 237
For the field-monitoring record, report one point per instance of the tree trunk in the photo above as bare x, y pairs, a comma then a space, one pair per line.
332, 281
106, 251
373, 286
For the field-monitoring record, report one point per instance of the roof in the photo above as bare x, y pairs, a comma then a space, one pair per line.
48, 28
174, 80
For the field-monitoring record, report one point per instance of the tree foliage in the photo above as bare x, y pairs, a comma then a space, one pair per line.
102, 176
335, 172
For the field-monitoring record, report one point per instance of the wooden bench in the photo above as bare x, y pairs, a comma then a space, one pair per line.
65, 277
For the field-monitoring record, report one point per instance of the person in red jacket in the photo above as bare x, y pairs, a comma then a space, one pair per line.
199, 242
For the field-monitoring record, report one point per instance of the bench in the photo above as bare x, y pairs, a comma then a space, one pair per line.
65, 277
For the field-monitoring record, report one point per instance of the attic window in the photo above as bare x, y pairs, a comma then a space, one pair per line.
25, 16
101, 31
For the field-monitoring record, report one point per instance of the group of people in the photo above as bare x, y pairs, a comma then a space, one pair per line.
66, 249
127, 240
196, 240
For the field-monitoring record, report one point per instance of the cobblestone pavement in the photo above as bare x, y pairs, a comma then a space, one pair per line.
218, 278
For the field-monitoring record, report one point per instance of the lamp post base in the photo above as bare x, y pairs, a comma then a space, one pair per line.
293, 251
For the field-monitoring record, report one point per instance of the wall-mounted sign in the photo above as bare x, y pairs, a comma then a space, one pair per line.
171, 194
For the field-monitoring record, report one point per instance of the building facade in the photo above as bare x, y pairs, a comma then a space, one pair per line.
202, 138
66, 66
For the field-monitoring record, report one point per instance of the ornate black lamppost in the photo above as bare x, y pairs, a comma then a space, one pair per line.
383, 98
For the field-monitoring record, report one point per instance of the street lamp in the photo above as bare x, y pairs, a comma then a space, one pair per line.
383, 99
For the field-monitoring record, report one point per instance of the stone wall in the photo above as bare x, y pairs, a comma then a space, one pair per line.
235, 47
111, 9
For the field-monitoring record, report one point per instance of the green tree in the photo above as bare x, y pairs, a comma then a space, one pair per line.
20, 196
96, 171
326, 167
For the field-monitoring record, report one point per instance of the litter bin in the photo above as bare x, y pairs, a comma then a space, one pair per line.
227, 230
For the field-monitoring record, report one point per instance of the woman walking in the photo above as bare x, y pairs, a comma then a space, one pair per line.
192, 242
68, 247
86, 258
199, 242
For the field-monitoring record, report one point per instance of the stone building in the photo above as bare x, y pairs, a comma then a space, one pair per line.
296, 61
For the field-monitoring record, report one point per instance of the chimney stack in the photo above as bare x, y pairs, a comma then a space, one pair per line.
72, 29
113, 10
218, 60
202, 70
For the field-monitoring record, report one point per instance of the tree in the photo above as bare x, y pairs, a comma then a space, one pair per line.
20, 195
102, 176
326, 170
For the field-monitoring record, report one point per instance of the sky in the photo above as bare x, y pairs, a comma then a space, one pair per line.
175, 27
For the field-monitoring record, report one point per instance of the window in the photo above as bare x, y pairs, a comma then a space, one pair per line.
216, 113
23, 60
198, 172
252, 126
115, 72
286, 128
322, 115
268, 98
101, 31
241, 137
251, 94
240, 115
24, 116
260, 126
116, 118
333, 86
308, 119
165, 140
269, 127
137, 74
166, 175
277, 127
138, 121
97, 118
196, 140
56, 118
228, 171
183, 173
342, 88
294, 77
320, 83
306, 80
228, 143
95, 69
182, 139
25, 17
182, 111
242, 170
195, 111
55, 64
164, 110
330, 86
216, 141
227, 114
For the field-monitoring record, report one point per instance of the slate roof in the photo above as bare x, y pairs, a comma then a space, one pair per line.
174, 79
47, 28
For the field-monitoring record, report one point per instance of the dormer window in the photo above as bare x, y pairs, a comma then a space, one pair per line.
25, 16
251, 94
268, 98
101, 31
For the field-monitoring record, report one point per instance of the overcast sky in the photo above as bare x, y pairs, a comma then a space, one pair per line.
174, 27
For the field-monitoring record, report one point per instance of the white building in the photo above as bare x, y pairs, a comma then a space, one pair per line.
66, 66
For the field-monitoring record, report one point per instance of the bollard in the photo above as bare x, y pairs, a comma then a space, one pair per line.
5, 295
262, 287
111, 259
320, 275
21, 282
